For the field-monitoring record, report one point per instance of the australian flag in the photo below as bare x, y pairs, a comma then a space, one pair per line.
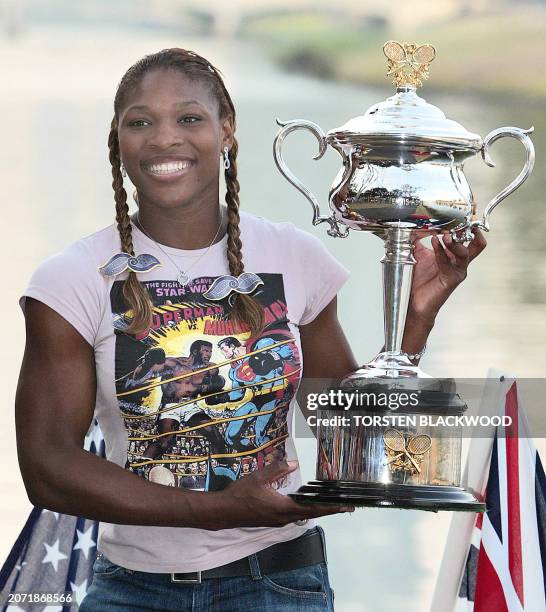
506, 564
54, 553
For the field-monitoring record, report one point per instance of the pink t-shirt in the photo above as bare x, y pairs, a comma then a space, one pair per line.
227, 400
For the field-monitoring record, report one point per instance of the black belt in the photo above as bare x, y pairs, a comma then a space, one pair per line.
307, 549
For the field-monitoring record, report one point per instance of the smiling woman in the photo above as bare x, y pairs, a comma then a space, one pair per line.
199, 453
190, 360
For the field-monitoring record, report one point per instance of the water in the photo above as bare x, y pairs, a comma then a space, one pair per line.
56, 177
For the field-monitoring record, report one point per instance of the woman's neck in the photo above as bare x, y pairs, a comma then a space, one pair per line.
196, 230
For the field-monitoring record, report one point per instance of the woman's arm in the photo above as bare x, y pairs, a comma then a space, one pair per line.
54, 407
438, 271
327, 355
326, 350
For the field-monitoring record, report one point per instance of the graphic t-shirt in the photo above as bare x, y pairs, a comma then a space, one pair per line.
194, 402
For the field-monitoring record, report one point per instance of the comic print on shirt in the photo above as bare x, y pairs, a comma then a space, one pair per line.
203, 402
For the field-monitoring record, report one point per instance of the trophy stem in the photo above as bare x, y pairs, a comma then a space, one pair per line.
398, 263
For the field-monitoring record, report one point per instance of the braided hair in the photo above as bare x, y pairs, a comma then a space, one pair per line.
245, 308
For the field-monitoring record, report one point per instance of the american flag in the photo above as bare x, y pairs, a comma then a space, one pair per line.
54, 553
506, 565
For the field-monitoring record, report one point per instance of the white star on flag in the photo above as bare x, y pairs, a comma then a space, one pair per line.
66, 563
53, 555
79, 591
85, 542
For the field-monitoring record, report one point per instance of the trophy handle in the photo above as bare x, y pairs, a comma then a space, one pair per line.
303, 124
523, 137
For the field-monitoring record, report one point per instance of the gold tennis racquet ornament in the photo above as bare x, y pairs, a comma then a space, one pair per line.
401, 179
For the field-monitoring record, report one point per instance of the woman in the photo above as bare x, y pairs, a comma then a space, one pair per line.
192, 386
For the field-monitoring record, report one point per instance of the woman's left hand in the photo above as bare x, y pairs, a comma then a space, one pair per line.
439, 271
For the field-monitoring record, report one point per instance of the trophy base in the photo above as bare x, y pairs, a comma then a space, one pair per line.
409, 497
386, 365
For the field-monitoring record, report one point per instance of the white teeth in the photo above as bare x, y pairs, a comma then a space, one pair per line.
169, 167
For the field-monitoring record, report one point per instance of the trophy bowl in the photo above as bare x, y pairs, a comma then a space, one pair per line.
366, 458
402, 179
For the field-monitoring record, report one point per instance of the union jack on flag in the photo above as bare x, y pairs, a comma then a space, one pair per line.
506, 564
54, 553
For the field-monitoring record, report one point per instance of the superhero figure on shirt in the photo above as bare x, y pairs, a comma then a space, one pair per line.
258, 384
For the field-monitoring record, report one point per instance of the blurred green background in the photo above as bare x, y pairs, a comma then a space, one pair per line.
491, 48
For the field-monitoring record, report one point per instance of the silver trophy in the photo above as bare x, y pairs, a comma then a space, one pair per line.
402, 179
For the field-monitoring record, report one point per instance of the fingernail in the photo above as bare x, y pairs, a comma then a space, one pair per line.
293, 463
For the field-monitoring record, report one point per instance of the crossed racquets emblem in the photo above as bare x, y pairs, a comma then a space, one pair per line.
415, 446
408, 63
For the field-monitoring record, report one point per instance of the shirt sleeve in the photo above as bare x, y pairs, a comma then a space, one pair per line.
69, 283
322, 276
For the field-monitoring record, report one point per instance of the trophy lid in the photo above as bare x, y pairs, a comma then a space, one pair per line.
406, 119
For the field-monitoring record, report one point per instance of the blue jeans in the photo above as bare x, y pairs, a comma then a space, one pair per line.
117, 589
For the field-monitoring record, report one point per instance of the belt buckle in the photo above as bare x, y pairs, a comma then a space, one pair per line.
196, 580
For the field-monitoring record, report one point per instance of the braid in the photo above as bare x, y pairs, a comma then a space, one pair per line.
245, 307
134, 292
234, 255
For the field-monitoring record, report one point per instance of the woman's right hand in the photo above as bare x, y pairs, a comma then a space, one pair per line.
252, 501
